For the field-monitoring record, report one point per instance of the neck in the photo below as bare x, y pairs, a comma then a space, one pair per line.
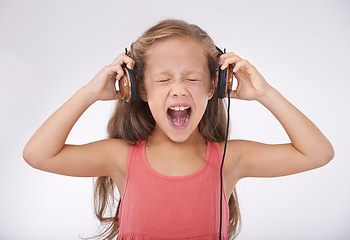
159, 137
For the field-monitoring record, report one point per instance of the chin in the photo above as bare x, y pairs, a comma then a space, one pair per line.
183, 136
178, 139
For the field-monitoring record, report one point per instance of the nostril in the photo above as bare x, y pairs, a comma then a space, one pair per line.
178, 89
182, 93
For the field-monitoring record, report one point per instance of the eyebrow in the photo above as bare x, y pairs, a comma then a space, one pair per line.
167, 73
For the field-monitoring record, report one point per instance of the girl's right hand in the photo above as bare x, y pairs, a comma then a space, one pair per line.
102, 86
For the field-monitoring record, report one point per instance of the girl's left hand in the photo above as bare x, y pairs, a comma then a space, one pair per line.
251, 84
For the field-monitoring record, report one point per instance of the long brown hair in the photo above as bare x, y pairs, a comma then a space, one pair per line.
134, 122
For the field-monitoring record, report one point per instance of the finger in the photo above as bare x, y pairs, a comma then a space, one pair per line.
120, 73
118, 95
229, 58
241, 64
223, 57
123, 59
117, 59
130, 63
233, 94
227, 55
111, 69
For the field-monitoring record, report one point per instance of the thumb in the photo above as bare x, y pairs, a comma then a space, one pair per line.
233, 94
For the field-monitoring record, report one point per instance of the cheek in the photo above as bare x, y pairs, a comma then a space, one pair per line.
156, 98
201, 93
150, 91
156, 94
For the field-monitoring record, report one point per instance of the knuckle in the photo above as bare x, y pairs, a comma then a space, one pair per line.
120, 70
245, 61
106, 68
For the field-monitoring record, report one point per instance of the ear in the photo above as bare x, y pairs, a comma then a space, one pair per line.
143, 94
212, 88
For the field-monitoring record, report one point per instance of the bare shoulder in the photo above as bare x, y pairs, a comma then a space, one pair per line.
113, 144
118, 150
254, 159
232, 155
107, 157
231, 163
237, 153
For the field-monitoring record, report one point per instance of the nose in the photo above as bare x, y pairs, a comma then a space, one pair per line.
178, 89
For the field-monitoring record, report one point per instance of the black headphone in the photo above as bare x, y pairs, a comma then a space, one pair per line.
128, 89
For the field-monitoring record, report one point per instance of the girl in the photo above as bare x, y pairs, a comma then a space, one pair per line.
164, 149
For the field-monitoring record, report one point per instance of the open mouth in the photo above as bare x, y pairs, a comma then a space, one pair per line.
179, 115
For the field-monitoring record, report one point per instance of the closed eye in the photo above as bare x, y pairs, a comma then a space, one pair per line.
164, 80
193, 80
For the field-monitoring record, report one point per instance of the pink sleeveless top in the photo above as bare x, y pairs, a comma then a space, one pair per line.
156, 206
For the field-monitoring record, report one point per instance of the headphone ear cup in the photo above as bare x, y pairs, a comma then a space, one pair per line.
225, 81
127, 85
221, 88
133, 85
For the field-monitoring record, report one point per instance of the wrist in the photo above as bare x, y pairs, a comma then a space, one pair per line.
89, 94
267, 96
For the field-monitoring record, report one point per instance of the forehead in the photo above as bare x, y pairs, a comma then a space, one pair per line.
176, 55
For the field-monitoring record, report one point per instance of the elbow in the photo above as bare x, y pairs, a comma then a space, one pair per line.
326, 156
30, 157
330, 155
27, 156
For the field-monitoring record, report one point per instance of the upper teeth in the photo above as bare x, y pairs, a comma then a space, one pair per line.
181, 108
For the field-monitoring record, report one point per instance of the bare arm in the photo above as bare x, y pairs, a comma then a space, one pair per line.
308, 149
46, 150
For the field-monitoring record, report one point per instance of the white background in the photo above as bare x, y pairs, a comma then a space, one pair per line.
49, 49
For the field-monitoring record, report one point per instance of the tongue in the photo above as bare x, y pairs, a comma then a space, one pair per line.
178, 118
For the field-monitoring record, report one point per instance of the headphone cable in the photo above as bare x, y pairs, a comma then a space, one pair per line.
223, 156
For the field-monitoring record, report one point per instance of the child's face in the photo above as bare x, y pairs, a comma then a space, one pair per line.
178, 86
